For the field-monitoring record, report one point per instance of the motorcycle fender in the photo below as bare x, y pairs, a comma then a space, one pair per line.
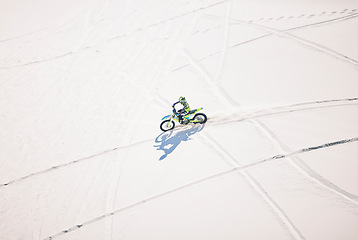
197, 110
166, 117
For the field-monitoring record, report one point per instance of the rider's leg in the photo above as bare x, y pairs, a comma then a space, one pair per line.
180, 117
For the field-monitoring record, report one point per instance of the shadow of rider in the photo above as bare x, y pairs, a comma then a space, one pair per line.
169, 142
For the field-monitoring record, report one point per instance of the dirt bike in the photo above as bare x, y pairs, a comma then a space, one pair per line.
189, 117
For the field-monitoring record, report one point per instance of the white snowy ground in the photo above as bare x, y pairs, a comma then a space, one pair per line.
83, 87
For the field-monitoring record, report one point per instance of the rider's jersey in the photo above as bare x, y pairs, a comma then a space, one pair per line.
185, 106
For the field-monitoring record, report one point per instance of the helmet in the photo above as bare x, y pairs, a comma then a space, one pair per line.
182, 99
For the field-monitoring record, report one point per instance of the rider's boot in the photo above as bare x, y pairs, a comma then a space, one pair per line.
180, 119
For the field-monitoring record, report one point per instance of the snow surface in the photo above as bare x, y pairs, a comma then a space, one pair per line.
84, 84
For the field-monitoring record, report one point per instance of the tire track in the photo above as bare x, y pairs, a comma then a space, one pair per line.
227, 100
194, 183
227, 21
310, 174
339, 19
323, 181
72, 163
305, 106
220, 51
352, 12
281, 216
283, 110
315, 46
112, 194
40, 61
54, 26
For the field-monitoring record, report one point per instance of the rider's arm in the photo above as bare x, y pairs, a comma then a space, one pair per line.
175, 104
174, 110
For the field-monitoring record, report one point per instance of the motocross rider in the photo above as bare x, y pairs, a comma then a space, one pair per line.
182, 112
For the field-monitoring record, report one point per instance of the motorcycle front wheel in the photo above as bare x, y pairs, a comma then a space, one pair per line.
167, 125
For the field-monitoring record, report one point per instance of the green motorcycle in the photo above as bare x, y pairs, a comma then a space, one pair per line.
191, 117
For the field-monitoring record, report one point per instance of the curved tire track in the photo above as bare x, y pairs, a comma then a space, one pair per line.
315, 177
